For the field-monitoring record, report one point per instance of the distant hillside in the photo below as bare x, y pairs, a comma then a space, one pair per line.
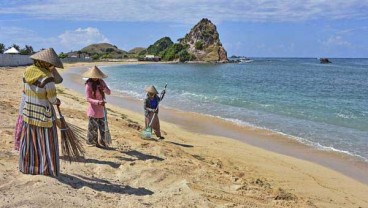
103, 50
136, 50
157, 47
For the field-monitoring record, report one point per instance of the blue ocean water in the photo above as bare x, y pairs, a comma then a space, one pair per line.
322, 105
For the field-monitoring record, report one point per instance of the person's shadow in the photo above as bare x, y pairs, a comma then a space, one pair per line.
91, 160
141, 156
101, 185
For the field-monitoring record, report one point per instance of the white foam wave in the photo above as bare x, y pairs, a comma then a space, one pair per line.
299, 139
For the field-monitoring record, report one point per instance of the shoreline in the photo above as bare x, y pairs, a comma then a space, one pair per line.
262, 138
187, 169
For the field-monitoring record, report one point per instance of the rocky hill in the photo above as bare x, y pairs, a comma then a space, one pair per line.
204, 43
201, 44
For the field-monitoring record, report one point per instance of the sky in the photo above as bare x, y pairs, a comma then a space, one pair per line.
252, 28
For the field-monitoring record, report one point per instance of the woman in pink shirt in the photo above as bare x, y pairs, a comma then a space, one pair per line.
96, 89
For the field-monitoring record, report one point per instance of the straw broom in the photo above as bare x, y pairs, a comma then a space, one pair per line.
71, 147
107, 136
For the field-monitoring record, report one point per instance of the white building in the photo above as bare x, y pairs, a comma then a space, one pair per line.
11, 50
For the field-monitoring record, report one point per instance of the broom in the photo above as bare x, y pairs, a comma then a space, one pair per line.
147, 133
107, 137
71, 147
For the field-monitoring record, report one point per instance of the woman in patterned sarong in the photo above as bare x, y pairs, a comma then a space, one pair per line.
39, 151
96, 88
19, 122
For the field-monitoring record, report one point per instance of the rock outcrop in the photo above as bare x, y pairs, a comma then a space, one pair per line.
204, 43
324, 61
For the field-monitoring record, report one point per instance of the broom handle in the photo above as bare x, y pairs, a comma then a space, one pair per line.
59, 111
153, 117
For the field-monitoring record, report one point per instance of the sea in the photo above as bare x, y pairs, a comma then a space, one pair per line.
324, 106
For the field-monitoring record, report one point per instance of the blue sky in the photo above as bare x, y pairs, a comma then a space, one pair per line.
263, 28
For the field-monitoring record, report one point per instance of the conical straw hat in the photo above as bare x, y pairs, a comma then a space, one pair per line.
94, 72
151, 89
49, 56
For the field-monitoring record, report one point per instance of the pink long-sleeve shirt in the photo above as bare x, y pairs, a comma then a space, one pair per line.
94, 109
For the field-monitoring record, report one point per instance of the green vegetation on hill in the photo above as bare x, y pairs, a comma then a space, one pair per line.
168, 51
158, 47
176, 51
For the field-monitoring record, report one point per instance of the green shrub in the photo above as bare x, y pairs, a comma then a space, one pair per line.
96, 57
62, 55
199, 45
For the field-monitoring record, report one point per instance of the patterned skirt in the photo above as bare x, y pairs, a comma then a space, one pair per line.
39, 151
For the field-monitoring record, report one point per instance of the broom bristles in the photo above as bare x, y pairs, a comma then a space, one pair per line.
71, 146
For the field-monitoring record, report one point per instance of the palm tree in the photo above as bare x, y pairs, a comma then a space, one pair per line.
2, 48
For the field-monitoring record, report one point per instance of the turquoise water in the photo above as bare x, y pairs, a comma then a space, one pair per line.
322, 105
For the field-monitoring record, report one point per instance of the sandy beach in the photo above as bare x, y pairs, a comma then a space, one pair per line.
188, 169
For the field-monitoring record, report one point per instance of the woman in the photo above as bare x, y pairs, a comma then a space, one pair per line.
96, 89
151, 110
19, 123
39, 150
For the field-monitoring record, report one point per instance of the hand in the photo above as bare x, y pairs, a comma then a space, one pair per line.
155, 110
101, 102
52, 68
163, 91
150, 110
58, 102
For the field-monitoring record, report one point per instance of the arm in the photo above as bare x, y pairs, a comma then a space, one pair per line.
146, 106
51, 93
89, 95
105, 88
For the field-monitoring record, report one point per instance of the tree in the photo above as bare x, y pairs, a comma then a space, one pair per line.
79, 53
95, 57
15, 46
2, 48
27, 50
63, 55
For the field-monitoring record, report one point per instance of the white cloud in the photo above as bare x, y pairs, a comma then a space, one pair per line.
80, 38
190, 11
336, 41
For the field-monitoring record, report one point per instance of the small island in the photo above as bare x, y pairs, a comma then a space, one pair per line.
324, 61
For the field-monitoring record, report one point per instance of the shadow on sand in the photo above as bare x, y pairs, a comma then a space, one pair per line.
97, 184
141, 156
90, 160
182, 145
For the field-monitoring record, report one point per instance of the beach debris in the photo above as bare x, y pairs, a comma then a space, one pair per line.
283, 195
